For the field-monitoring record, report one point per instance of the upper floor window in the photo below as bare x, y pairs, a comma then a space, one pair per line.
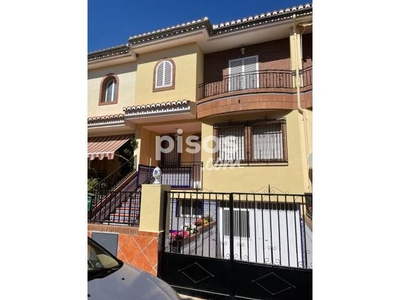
251, 142
109, 90
243, 73
164, 75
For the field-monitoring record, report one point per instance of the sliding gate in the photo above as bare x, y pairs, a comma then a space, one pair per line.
237, 245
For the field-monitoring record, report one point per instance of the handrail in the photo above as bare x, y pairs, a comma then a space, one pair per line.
111, 180
262, 79
248, 80
306, 76
108, 203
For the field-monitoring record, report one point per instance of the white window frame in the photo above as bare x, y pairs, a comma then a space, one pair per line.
162, 75
183, 202
112, 98
241, 75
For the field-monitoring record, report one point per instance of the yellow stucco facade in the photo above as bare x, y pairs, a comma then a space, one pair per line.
187, 61
256, 177
126, 74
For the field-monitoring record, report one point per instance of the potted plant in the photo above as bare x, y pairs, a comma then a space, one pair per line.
177, 239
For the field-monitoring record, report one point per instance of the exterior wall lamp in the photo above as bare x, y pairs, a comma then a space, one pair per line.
243, 50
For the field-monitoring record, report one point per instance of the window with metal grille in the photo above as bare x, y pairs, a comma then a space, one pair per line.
240, 223
164, 74
252, 141
243, 73
231, 147
267, 142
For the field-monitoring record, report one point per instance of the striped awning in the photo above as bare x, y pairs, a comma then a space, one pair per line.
105, 146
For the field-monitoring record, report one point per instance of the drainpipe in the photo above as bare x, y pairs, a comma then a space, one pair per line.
296, 56
299, 108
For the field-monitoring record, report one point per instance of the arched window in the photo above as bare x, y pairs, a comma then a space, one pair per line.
109, 90
164, 75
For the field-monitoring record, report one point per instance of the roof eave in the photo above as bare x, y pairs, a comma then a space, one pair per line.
112, 60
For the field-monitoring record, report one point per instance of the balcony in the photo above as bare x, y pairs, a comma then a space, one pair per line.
264, 89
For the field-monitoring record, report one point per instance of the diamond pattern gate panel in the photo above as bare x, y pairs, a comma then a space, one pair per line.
234, 245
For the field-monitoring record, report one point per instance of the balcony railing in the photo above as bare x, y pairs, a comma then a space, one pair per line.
263, 79
306, 78
183, 175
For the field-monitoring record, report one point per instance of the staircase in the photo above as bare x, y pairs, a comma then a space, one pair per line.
121, 204
128, 211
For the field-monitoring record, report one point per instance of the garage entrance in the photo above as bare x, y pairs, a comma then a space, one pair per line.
238, 245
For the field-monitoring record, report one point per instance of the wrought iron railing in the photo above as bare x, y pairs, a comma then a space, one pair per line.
245, 81
255, 80
182, 175
120, 205
121, 208
251, 227
111, 181
306, 76
309, 204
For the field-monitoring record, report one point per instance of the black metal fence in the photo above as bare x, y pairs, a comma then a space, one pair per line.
246, 227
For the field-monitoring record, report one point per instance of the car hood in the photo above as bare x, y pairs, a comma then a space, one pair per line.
129, 283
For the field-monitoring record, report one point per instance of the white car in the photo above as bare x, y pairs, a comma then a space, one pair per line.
111, 278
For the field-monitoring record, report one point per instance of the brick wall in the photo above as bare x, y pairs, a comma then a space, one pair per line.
271, 55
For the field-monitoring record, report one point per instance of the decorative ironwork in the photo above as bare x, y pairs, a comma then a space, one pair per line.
270, 242
196, 273
264, 226
263, 79
273, 284
249, 80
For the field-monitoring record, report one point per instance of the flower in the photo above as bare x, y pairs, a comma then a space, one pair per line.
191, 229
199, 222
180, 235
202, 221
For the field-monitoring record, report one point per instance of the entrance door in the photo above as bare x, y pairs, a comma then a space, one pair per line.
171, 158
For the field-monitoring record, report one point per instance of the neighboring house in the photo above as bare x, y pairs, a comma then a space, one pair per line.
218, 107
111, 86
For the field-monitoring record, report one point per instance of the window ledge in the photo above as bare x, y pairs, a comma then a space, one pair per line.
108, 103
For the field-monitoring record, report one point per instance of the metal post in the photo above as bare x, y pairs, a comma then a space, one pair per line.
231, 248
